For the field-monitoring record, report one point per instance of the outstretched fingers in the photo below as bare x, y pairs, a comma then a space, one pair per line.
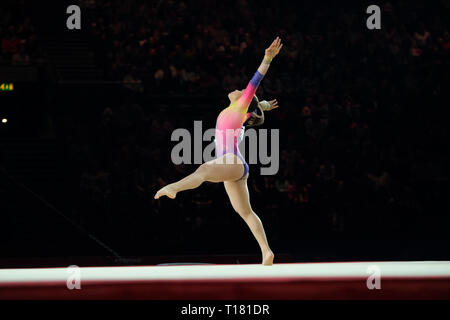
274, 43
273, 104
276, 46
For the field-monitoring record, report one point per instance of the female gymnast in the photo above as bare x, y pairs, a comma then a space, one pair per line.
230, 167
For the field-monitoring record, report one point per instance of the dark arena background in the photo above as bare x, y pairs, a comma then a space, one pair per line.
85, 143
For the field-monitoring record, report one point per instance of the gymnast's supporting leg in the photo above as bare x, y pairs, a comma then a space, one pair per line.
239, 196
227, 167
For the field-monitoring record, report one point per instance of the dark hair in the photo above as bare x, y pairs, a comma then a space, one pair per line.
257, 114
253, 107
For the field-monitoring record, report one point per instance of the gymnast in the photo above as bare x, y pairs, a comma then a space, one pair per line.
230, 167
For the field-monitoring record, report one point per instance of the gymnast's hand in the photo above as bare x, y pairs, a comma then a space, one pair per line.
270, 53
273, 104
274, 49
269, 105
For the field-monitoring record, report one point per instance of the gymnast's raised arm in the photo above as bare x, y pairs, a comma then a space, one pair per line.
243, 102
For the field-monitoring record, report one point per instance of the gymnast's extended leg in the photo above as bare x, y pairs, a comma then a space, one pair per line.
225, 168
239, 196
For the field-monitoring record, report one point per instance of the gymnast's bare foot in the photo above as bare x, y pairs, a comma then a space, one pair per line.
166, 191
268, 258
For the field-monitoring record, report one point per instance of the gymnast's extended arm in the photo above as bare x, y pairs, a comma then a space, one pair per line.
243, 102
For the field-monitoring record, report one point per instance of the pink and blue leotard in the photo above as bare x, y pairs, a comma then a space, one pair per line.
230, 120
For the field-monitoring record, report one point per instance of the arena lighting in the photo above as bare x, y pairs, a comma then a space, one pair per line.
4, 120
6, 86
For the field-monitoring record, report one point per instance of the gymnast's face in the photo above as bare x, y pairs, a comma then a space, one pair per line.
235, 95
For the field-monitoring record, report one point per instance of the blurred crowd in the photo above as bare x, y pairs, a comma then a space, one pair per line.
210, 46
18, 39
355, 115
358, 109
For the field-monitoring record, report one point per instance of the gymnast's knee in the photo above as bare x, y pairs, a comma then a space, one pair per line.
245, 213
203, 171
